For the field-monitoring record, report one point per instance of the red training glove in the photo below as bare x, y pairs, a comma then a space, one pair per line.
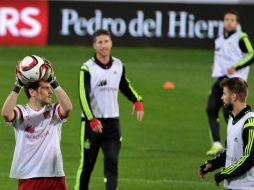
94, 122
139, 106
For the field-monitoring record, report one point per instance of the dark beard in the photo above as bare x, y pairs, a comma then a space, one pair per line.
229, 107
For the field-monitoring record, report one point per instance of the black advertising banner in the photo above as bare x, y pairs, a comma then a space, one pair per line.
142, 24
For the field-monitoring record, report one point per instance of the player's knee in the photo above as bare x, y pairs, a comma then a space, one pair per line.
112, 161
88, 167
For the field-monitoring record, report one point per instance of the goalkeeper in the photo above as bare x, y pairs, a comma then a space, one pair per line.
37, 161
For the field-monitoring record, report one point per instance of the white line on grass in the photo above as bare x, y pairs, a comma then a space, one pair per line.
140, 180
156, 181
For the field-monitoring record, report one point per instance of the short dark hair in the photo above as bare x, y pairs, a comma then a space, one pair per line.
31, 85
100, 32
233, 12
236, 85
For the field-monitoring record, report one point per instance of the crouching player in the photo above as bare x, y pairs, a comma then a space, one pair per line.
37, 161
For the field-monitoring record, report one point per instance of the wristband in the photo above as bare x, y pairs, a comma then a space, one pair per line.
54, 84
139, 106
16, 88
94, 122
202, 169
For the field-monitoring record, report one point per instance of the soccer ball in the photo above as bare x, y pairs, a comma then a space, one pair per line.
31, 69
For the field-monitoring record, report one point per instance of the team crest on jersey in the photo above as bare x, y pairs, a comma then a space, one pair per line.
28, 117
87, 144
29, 129
46, 114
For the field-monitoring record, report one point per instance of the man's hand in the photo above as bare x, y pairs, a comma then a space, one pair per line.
231, 70
20, 80
218, 178
96, 125
49, 75
138, 108
204, 169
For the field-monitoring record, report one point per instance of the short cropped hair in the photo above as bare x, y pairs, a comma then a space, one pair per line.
237, 86
101, 32
31, 85
233, 12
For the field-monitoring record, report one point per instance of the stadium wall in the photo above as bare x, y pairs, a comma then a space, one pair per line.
138, 23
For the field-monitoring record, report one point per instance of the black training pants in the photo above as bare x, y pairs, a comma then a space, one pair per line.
91, 142
213, 108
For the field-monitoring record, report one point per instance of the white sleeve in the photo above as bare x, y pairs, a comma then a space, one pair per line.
18, 117
58, 115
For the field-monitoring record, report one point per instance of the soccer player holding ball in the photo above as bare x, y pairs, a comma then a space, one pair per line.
237, 161
37, 161
232, 57
101, 78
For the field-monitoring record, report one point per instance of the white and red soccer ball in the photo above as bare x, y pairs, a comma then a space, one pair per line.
31, 69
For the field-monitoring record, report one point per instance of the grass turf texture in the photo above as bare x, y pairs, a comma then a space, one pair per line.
161, 153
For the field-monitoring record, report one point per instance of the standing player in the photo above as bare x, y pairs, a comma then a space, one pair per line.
101, 77
238, 158
37, 161
232, 57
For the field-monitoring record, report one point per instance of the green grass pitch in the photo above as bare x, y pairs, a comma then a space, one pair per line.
164, 151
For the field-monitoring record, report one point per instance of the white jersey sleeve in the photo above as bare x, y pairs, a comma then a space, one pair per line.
58, 115
18, 117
